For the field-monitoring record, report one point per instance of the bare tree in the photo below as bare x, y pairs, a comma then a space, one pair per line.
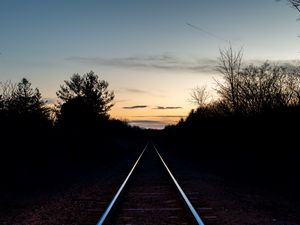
6, 93
229, 66
263, 88
199, 96
295, 4
293, 85
255, 89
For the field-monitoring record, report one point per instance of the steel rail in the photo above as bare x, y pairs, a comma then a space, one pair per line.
183, 195
117, 195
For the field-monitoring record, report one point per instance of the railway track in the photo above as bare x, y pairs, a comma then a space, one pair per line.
150, 195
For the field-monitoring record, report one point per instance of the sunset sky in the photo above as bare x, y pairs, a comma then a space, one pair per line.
152, 52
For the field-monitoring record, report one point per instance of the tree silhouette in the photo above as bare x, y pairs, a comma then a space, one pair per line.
295, 4
199, 96
24, 127
20, 101
85, 100
77, 113
230, 65
27, 101
7, 89
266, 87
256, 89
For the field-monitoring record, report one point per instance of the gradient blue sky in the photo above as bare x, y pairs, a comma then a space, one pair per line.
143, 48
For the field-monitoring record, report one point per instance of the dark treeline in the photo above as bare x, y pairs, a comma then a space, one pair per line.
249, 131
40, 141
252, 130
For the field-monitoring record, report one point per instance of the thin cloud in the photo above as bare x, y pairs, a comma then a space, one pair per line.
139, 91
168, 107
168, 62
148, 124
159, 62
164, 116
122, 100
133, 90
147, 121
157, 122
135, 107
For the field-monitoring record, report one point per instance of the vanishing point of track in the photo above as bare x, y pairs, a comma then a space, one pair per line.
150, 195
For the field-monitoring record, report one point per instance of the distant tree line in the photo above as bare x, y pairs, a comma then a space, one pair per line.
249, 90
250, 128
82, 98
76, 132
21, 102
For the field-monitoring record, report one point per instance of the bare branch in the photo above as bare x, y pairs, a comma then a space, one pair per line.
295, 4
199, 96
